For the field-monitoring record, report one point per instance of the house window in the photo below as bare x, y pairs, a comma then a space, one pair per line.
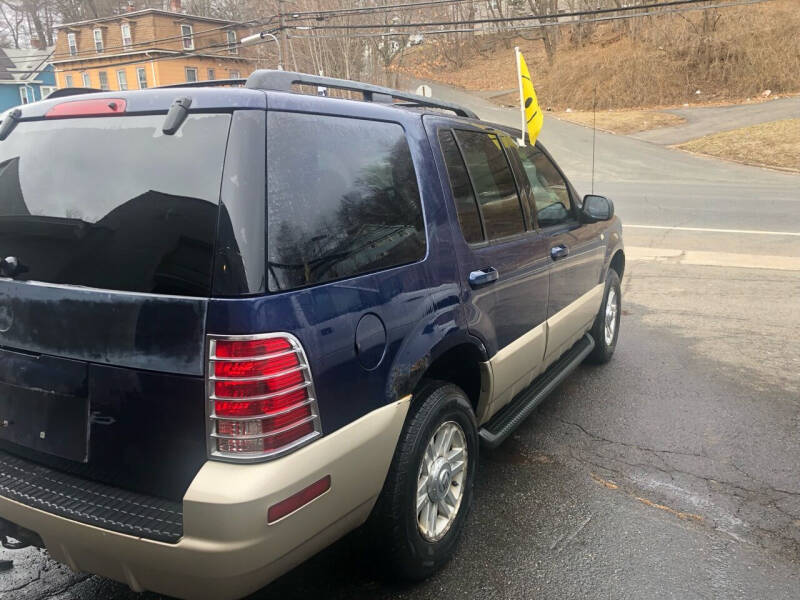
87, 80
122, 79
191, 74
46, 90
98, 39
103, 80
211, 75
188, 37
232, 48
234, 74
23, 95
68, 81
72, 43
127, 41
141, 75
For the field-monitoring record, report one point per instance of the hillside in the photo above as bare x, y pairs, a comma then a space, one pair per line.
725, 54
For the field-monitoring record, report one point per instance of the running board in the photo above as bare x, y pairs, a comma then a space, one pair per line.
515, 412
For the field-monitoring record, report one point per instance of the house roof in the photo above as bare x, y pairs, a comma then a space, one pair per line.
137, 13
23, 64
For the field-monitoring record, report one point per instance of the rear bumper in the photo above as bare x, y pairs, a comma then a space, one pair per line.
227, 549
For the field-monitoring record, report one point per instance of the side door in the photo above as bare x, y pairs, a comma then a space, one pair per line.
576, 252
502, 261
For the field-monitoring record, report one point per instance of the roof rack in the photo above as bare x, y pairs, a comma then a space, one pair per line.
71, 91
282, 81
211, 83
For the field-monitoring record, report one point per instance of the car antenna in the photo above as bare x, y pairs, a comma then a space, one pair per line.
594, 131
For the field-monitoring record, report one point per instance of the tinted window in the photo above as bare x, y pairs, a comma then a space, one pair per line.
549, 190
113, 202
467, 209
342, 199
493, 183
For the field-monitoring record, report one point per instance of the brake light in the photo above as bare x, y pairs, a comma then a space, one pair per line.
87, 108
261, 396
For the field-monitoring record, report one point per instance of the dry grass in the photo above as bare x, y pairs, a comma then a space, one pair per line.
775, 144
624, 122
656, 61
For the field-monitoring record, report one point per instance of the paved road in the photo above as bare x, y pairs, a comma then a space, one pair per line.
672, 472
702, 121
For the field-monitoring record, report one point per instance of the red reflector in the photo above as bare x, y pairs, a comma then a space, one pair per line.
87, 108
248, 348
246, 389
255, 368
301, 498
224, 408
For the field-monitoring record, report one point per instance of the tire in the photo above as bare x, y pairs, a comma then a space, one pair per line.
604, 345
407, 549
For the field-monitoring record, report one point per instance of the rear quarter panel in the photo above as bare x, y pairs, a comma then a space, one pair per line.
418, 303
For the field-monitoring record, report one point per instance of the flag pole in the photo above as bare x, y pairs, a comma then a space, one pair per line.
521, 98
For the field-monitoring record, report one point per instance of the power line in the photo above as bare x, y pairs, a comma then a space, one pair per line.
536, 25
555, 16
335, 12
251, 23
179, 54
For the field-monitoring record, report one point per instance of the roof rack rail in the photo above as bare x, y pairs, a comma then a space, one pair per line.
282, 81
211, 83
71, 91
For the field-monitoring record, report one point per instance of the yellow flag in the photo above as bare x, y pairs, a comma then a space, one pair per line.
532, 117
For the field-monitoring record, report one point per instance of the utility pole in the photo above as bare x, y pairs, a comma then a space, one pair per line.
282, 26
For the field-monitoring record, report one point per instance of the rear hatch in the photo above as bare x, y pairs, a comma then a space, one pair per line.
108, 229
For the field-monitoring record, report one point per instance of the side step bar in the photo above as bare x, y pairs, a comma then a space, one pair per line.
515, 412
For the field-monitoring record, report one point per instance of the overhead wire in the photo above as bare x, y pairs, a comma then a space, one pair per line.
673, 10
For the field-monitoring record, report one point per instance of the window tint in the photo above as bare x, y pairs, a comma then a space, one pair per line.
120, 206
550, 194
342, 199
493, 182
467, 209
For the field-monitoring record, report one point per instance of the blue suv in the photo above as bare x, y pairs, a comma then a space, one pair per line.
237, 323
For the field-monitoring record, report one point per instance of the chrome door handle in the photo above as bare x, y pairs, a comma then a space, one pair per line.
560, 251
487, 275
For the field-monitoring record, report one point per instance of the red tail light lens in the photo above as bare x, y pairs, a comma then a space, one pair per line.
261, 397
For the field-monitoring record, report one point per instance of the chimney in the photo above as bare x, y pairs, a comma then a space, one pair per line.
175, 6
37, 43
131, 6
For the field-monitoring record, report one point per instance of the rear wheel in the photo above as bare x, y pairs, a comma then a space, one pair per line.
605, 330
419, 516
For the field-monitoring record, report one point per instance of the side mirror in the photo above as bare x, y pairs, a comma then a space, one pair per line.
596, 208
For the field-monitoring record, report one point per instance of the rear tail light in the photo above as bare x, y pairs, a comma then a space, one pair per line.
261, 396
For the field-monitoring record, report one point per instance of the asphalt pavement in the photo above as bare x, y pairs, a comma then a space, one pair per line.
706, 120
671, 472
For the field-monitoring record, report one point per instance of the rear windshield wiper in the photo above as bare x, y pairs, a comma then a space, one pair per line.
8, 124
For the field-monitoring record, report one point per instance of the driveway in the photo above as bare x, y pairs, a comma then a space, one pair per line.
702, 121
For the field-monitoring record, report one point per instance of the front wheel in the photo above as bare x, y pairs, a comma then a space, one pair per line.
605, 330
419, 516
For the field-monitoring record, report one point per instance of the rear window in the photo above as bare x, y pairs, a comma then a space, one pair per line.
342, 199
113, 203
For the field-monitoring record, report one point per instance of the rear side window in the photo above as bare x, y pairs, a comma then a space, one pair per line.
113, 203
493, 182
342, 199
466, 207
